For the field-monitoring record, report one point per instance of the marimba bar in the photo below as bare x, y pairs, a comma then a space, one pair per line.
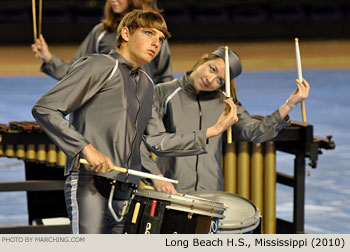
25, 140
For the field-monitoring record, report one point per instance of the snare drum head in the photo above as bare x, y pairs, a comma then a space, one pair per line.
241, 213
186, 203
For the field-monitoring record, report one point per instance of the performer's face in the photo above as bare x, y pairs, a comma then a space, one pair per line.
209, 76
143, 44
120, 6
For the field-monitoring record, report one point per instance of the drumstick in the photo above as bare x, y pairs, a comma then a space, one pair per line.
300, 77
34, 20
40, 15
136, 173
227, 90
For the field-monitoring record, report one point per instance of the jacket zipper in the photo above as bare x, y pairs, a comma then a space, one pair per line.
137, 115
200, 127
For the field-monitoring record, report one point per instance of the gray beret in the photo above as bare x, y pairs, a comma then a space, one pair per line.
234, 61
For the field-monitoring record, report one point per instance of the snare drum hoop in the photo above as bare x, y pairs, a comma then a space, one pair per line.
245, 224
186, 203
240, 230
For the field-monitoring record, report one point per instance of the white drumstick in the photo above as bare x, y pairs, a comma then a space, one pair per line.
228, 90
300, 77
227, 74
136, 173
297, 53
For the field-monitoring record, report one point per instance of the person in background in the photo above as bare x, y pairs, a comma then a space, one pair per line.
102, 39
193, 103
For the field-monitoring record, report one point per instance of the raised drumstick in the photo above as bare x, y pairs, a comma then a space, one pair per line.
34, 20
300, 77
40, 15
227, 90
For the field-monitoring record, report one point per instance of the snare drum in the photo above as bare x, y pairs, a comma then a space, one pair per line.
154, 212
242, 216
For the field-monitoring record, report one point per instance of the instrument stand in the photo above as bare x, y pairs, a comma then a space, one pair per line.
299, 140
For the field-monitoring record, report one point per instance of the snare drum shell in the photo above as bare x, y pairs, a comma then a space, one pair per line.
181, 214
139, 221
164, 221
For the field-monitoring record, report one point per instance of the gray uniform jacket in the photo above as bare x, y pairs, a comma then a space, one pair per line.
98, 41
178, 109
109, 106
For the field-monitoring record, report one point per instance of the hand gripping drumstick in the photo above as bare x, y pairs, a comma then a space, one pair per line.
136, 173
227, 91
300, 77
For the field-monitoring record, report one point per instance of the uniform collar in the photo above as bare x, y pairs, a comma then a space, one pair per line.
123, 61
187, 84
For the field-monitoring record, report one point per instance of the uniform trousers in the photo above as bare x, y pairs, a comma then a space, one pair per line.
88, 209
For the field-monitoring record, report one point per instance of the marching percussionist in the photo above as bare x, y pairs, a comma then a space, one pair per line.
109, 98
193, 103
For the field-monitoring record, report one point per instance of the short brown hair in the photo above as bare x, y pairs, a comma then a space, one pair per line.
139, 18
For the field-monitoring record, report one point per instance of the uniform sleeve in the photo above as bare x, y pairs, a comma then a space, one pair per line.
164, 70
58, 68
70, 94
163, 143
147, 161
257, 131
